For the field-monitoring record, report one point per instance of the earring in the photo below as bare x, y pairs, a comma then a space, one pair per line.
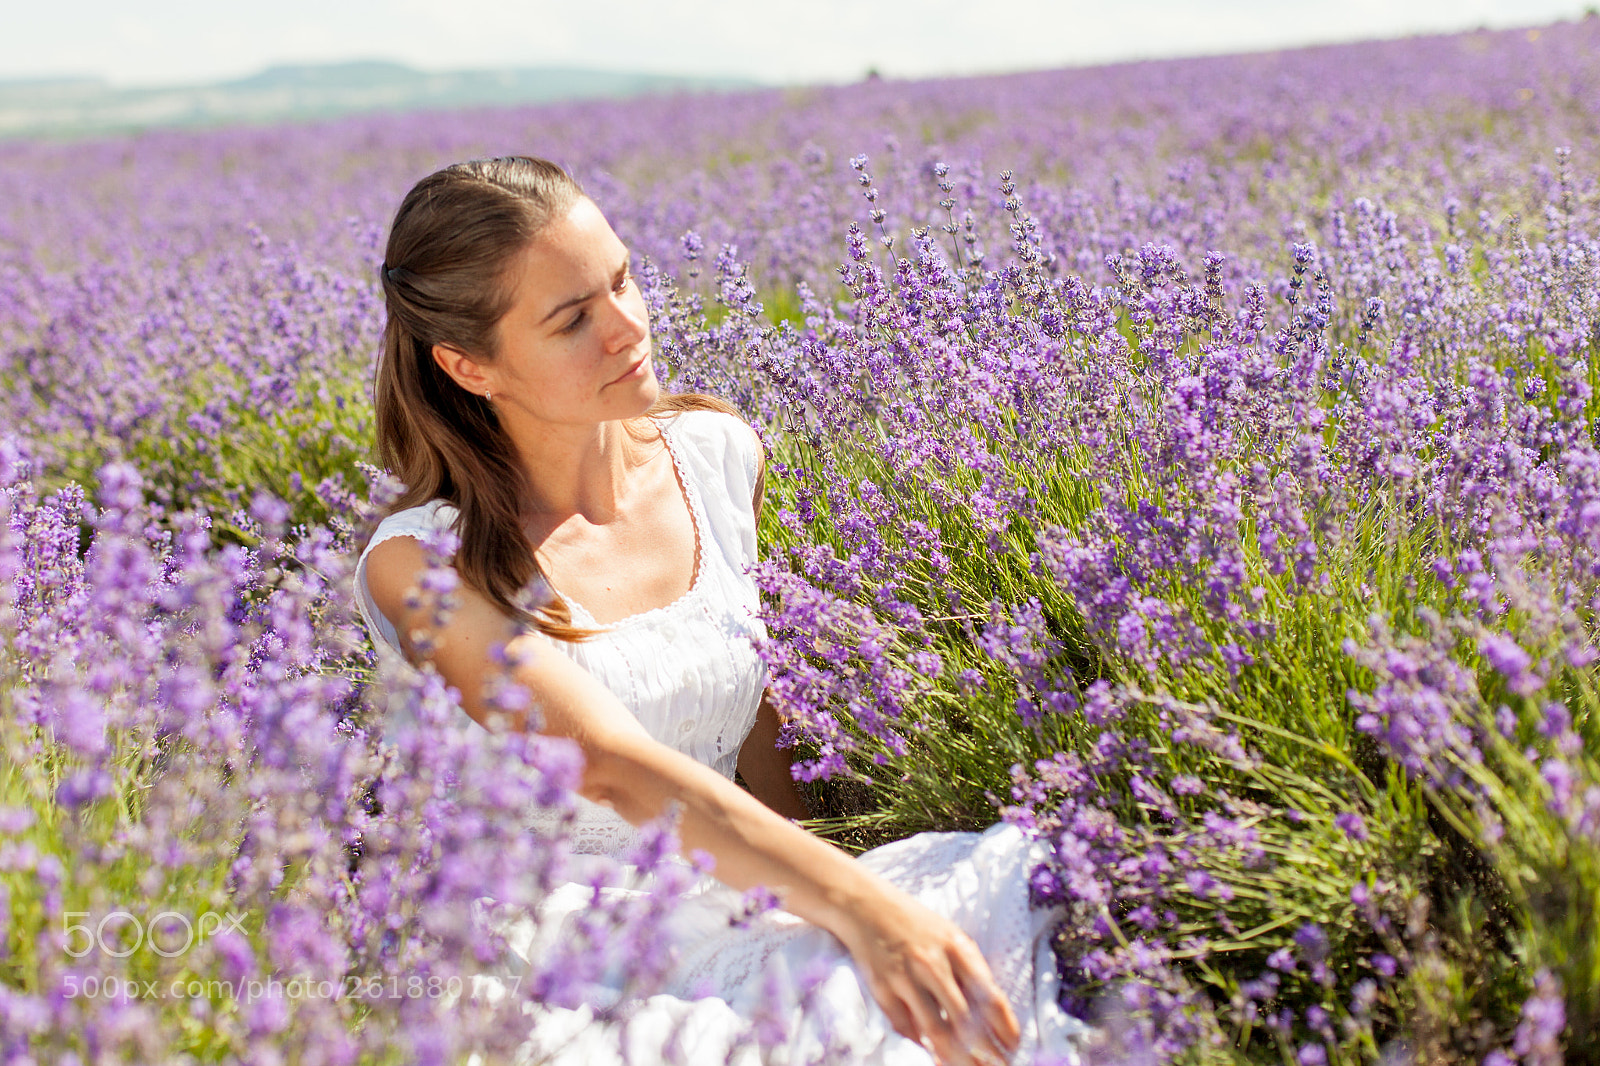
486, 395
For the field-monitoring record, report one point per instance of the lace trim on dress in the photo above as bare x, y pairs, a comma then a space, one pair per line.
592, 829
697, 519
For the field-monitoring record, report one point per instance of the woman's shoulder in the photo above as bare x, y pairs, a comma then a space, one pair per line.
430, 523
722, 457
724, 440
423, 522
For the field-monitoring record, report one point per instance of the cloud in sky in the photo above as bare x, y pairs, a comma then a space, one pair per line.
779, 41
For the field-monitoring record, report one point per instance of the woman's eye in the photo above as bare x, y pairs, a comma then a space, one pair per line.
577, 320
622, 286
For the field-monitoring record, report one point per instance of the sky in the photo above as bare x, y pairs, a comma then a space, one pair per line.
172, 42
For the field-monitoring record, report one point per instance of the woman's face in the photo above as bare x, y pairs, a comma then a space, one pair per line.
575, 346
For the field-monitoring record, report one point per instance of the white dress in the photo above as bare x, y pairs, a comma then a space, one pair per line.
689, 672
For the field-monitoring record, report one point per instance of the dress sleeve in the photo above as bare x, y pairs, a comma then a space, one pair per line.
752, 455
727, 458
748, 457
417, 522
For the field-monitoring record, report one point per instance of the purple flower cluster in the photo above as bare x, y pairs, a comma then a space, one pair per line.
1318, 511
192, 735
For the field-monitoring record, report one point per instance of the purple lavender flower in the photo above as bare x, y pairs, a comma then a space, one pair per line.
1538, 1038
1311, 1055
1352, 825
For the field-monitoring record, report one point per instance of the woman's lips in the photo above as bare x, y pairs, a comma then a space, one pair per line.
636, 370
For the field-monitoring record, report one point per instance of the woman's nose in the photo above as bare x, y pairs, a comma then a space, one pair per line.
629, 322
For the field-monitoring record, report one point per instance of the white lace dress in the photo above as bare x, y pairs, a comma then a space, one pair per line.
688, 671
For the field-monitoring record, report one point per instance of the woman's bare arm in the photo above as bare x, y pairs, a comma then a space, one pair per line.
765, 767
928, 976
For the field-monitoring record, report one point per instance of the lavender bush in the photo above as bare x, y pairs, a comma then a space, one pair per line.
205, 857
1194, 462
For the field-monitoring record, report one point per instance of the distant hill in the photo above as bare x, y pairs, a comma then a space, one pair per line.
65, 106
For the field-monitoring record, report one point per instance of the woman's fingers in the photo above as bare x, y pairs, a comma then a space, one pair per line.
960, 1029
988, 1004
893, 1003
938, 1027
934, 985
898, 1013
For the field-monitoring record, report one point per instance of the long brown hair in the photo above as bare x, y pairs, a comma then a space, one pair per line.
445, 281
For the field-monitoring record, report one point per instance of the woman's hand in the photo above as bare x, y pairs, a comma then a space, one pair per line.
930, 979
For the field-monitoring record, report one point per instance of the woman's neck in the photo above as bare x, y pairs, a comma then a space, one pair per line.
577, 470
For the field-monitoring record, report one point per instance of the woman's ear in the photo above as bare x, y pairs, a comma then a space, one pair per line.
462, 369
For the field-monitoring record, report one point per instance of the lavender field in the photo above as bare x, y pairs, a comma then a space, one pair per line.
1194, 462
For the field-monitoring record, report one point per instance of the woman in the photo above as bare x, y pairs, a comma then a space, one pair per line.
517, 400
